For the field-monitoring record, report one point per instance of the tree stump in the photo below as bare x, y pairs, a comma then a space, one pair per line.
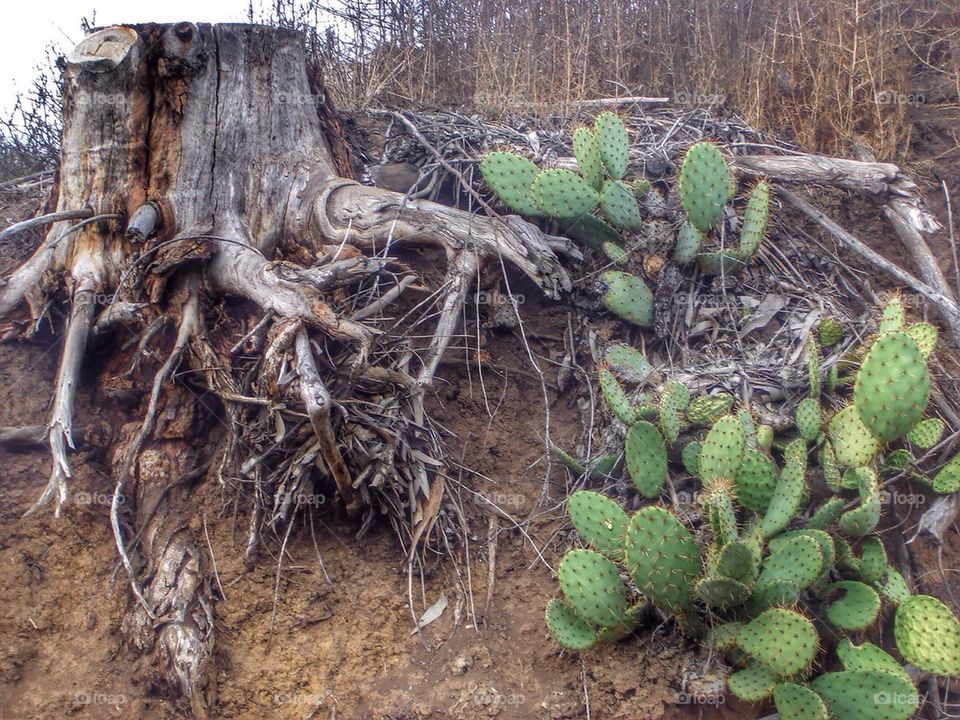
198, 205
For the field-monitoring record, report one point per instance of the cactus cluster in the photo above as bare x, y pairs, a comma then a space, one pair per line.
753, 557
597, 205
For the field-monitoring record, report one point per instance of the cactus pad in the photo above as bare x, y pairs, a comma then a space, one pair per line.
629, 364
740, 560
690, 457
720, 263
863, 519
785, 503
723, 520
601, 522
703, 185
892, 387
797, 559
687, 247
755, 220
892, 587
591, 231
619, 205
586, 150
673, 400
723, 638
752, 684
867, 657
797, 702
893, 318
866, 695
928, 635
722, 593
926, 433
707, 409
592, 586
627, 296
614, 143
510, 177
722, 449
828, 464
646, 457
873, 559
641, 186
616, 398
925, 336
569, 629
662, 558
808, 418
852, 441
755, 481
947, 480
857, 609
824, 541
765, 437
562, 194
829, 331
825, 515
784, 641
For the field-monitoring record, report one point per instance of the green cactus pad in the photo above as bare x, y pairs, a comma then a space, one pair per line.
826, 514
828, 464
892, 387
569, 460
723, 638
614, 143
627, 296
600, 521
813, 368
568, 629
829, 331
627, 363
703, 185
646, 456
867, 657
615, 254
722, 450
755, 481
739, 560
857, 609
928, 635
641, 186
925, 336
510, 177
722, 593
852, 441
619, 205
592, 586
784, 641
947, 479
591, 231
674, 399
808, 417
603, 466
926, 433
785, 503
893, 318
662, 558
752, 684
863, 519
687, 247
776, 593
873, 559
719, 509
866, 695
755, 220
764, 437
797, 559
586, 150
828, 551
795, 452
563, 194
797, 702
690, 457
616, 398
707, 409
892, 587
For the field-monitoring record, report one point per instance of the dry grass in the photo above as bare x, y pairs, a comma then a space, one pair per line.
821, 72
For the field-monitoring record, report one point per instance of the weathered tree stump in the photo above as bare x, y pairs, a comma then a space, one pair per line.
196, 179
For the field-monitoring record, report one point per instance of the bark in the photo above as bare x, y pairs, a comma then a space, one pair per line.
195, 160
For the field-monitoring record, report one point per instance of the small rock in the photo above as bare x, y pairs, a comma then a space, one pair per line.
462, 664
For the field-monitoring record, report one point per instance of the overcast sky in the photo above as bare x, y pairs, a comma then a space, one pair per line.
29, 26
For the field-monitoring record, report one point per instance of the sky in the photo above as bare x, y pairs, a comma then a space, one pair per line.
29, 26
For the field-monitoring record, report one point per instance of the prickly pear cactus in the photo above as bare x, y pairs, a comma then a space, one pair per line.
722, 450
586, 150
873, 559
925, 336
755, 480
785, 503
784, 641
853, 443
689, 242
663, 558
947, 480
510, 177
928, 635
591, 231
563, 194
646, 456
614, 143
854, 695
893, 317
593, 588
808, 418
857, 609
616, 398
600, 521
627, 296
826, 514
892, 387
704, 183
755, 220
674, 400
798, 560
707, 409
867, 657
568, 629
619, 205
926, 433
829, 332
754, 683
797, 702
